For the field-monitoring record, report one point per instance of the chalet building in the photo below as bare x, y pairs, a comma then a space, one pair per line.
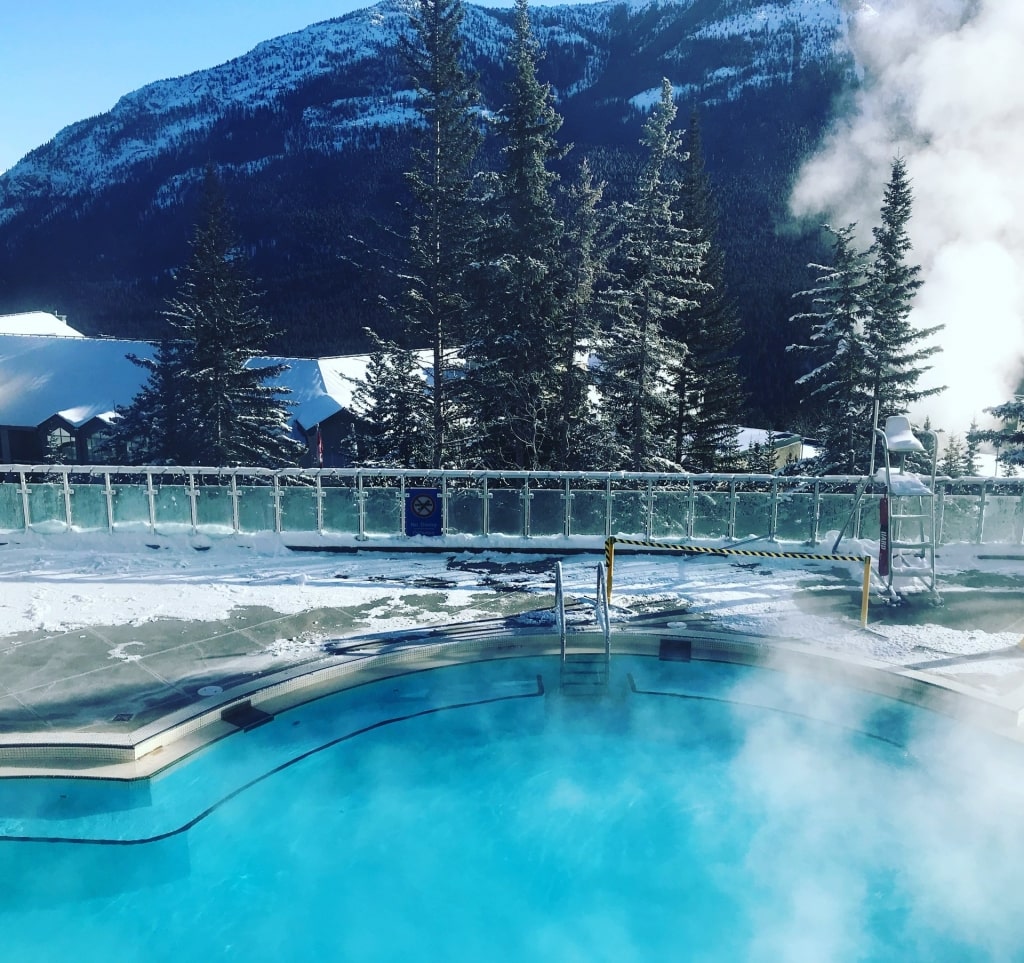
59, 391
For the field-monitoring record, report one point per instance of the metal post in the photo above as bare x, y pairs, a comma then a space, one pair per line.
865, 592
151, 499
24, 499
609, 557
193, 497
67, 500
816, 513
236, 515
731, 531
277, 503
109, 494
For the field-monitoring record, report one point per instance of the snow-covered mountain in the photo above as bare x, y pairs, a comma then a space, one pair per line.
309, 131
759, 44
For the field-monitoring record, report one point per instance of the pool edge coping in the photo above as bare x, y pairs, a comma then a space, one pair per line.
145, 752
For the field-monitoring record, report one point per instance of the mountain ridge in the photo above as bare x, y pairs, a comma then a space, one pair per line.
310, 132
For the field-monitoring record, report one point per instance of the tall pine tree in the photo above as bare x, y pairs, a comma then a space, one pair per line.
897, 348
206, 403
584, 252
512, 355
710, 399
652, 286
840, 378
393, 402
448, 139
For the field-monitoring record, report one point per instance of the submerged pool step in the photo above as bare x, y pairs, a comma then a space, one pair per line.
584, 673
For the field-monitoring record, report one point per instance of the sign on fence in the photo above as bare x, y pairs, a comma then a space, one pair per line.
423, 515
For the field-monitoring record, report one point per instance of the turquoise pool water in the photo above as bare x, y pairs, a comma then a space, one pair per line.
702, 812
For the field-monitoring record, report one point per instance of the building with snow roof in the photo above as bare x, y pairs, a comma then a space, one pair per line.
59, 391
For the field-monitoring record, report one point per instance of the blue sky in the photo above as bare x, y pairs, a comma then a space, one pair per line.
65, 60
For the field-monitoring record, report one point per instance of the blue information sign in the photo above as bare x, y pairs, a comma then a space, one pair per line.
423, 511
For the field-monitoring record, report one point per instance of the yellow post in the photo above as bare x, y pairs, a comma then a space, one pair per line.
866, 591
609, 564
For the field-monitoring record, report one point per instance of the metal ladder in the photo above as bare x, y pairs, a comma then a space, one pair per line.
910, 502
584, 672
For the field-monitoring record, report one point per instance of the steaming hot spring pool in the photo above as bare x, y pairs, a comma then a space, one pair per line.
701, 811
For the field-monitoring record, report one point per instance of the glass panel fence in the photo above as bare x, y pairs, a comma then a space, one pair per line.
629, 513
130, 505
1003, 519
753, 515
671, 514
712, 509
256, 511
46, 506
795, 516
340, 510
547, 512
173, 508
465, 509
215, 510
298, 508
505, 510
89, 506
623, 505
383, 510
588, 510
12, 510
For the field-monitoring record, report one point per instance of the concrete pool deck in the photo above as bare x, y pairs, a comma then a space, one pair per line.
119, 684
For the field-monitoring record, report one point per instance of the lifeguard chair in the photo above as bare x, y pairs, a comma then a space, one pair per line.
906, 543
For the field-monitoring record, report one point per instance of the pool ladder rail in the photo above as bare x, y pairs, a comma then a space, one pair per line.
583, 672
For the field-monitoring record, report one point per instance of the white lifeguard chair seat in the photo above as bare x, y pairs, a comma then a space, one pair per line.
898, 435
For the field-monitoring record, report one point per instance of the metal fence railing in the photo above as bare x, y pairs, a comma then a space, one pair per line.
360, 505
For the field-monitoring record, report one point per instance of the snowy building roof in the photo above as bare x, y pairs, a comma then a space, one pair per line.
37, 322
76, 378
83, 378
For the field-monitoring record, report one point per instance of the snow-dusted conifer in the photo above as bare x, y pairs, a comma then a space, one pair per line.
513, 353
448, 139
653, 283
228, 413
897, 349
1009, 440
393, 402
839, 380
710, 398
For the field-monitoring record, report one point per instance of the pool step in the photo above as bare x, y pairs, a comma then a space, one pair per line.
584, 673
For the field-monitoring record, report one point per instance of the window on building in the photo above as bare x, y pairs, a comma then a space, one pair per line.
60, 446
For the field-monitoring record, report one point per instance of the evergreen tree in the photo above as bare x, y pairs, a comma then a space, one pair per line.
971, 450
896, 347
951, 462
513, 358
839, 382
710, 402
206, 403
1009, 440
652, 285
149, 431
393, 401
448, 140
584, 251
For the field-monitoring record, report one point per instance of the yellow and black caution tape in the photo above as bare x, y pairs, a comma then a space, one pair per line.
865, 560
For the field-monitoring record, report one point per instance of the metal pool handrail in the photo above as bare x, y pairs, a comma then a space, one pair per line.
601, 607
560, 608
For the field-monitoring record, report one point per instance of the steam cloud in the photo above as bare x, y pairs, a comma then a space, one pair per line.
943, 88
